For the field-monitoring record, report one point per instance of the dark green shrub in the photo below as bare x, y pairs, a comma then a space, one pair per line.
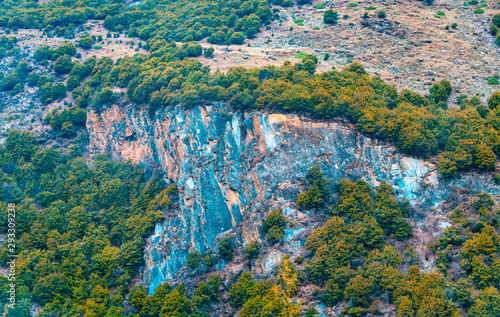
209, 52
330, 17
86, 42
252, 250
193, 260
226, 248
381, 14
63, 65
67, 130
496, 20
274, 226
493, 81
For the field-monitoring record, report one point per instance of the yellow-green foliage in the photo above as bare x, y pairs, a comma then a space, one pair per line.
80, 230
267, 298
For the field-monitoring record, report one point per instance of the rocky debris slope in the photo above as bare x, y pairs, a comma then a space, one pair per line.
232, 169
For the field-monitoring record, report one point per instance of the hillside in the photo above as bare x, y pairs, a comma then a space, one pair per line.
249, 158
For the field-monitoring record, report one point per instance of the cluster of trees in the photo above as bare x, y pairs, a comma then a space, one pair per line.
49, 91
495, 25
7, 44
66, 120
318, 192
14, 82
353, 261
60, 16
268, 298
167, 301
419, 126
221, 22
80, 230
44, 52
473, 244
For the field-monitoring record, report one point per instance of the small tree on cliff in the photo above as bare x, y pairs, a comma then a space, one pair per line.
274, 226
226, 248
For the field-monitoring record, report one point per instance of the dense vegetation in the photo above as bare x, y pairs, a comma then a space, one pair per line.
222, 22
357, 257
80, 230
495, 25
464, 138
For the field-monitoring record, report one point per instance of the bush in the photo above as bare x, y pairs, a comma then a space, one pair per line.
209, 52
496, 20
441, 13
493, 81
86, 42
226, 248
352, 5
66, 48
63, 65
300, 55
494, 100
194, 259
327, 56
370, 8
493, 30
319, 6
252, 250
496, 178
97, 47
479, 11
67, 130
381, 14
330, 17
42, 53
237, 38
274, 226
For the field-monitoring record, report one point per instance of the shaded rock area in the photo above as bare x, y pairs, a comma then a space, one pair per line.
232, 169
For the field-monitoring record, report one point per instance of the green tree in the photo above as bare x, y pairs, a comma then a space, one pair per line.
209, 52
494, 100
252, 250
67, 130
86, 42
194, 259
63, 64
226, 248
359, 290
485, 158
274, 226
237, 38
330, 17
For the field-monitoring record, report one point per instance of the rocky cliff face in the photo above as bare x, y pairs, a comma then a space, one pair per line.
232, 168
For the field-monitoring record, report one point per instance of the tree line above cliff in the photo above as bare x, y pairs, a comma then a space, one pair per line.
465, 137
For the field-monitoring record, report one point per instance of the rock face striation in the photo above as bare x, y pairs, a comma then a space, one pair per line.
231, 168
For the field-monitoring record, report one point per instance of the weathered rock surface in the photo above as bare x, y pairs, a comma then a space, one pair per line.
232, 168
